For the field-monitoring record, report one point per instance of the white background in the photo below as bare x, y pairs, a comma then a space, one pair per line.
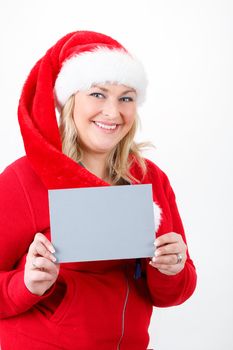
186, 47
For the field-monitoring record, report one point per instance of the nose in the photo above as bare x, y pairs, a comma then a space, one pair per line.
111, 109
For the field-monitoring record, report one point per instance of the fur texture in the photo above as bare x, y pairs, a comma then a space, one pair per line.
99, 66
157, 216
37, 117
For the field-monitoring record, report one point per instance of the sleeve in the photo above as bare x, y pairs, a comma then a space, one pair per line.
17, 229
167, 290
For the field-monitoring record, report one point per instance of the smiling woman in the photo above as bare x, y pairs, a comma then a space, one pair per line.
102, 118
96, 86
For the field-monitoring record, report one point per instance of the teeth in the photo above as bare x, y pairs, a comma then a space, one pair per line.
108, 127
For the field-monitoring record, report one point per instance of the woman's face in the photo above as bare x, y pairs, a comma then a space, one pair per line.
103, 115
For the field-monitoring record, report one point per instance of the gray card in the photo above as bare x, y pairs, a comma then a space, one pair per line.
102, 223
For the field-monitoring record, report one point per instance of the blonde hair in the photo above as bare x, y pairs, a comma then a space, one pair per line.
120, 158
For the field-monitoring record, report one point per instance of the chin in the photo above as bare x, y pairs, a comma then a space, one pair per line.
104, 148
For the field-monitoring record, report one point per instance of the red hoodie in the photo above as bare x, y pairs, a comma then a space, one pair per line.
92, 305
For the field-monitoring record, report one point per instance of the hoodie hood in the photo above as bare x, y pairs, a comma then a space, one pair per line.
38, 122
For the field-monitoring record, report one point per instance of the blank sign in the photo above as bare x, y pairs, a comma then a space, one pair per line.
102, 223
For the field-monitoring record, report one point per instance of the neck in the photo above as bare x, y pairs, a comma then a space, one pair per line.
96, 164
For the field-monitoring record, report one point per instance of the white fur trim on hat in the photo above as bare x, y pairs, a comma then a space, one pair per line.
157, 216
102, 65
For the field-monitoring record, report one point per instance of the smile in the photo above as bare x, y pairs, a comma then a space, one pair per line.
106, 126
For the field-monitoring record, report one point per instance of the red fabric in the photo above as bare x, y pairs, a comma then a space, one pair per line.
90, 302
37, 116
84, 309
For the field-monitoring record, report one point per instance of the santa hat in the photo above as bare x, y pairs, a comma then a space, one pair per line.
75, 62
95, 61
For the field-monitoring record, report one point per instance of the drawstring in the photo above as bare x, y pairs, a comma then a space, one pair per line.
138, 269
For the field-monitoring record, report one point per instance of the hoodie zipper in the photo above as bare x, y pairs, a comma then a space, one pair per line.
123, 312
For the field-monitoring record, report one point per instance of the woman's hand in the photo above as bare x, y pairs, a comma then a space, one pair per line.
170, 253
40, 271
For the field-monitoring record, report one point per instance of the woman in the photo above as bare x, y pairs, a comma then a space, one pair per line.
96, 86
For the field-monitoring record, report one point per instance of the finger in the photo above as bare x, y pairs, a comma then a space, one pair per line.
167, 269
172, 248
170, 237
38, 248
43, 264
40, 237
170, 259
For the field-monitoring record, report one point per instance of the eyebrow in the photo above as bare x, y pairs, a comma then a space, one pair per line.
106, 90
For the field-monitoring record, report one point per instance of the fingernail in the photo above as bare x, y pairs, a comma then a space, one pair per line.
157, 253
153, 259
52, 250
54, 259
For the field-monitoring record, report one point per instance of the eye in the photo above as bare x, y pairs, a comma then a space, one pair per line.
97, 95
126, 99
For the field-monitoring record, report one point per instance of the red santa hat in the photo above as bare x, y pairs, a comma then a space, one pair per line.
77, 61
96, 61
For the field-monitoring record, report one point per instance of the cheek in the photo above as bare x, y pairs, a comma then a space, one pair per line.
130, 113
83, 110
76, 120
130, 119
80, 118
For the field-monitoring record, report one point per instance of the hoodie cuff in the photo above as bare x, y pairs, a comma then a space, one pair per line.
167, 290
20, 296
